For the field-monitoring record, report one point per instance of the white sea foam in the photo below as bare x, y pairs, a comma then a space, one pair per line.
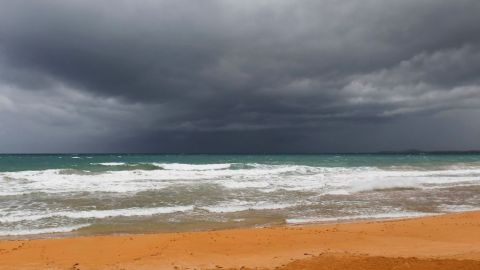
236, 187
458, 208
228, 207
338, 192
267, 178
192, 167
109, 163
238, 206
42, 231
232, 184
303, 220
88, 214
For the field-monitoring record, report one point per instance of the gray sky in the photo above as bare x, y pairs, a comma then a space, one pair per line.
239, 76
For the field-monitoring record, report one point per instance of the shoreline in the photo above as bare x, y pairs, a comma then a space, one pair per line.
80, 234
447, 239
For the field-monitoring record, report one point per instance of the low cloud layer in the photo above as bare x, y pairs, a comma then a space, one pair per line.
239, 76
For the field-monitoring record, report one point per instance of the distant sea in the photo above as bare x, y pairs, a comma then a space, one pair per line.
131, 193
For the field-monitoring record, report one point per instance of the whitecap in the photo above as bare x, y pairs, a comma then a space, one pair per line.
193, 167
109, 163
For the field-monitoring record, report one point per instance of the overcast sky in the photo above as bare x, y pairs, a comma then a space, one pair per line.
239, 76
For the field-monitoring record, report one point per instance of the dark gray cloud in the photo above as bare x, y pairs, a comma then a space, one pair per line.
243, 76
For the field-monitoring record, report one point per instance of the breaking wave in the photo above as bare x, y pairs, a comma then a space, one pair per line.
266, 178
68, 198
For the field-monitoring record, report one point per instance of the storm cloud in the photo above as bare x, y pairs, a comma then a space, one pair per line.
239, 76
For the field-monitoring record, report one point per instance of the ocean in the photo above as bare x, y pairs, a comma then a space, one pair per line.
45, 195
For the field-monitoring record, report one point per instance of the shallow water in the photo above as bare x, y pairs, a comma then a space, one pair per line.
85, 194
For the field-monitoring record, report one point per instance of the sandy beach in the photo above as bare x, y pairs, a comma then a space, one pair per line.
240, 135
449, 241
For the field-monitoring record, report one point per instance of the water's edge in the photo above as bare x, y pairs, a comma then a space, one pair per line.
115, 194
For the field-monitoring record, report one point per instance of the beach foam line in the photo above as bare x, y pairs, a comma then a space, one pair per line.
98, 214
307, 220
129, 212
458, 208
43, 230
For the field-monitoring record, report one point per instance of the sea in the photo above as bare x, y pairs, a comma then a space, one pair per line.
90, 194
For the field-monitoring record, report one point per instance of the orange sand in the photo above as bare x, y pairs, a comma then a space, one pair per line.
441, 242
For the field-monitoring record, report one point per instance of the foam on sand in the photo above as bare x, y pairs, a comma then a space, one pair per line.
98, 214
42, 231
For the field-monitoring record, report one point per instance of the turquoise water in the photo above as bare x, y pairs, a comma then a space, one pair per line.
91, 161
127, 193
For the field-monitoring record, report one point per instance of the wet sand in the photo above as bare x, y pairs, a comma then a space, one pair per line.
440, 242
